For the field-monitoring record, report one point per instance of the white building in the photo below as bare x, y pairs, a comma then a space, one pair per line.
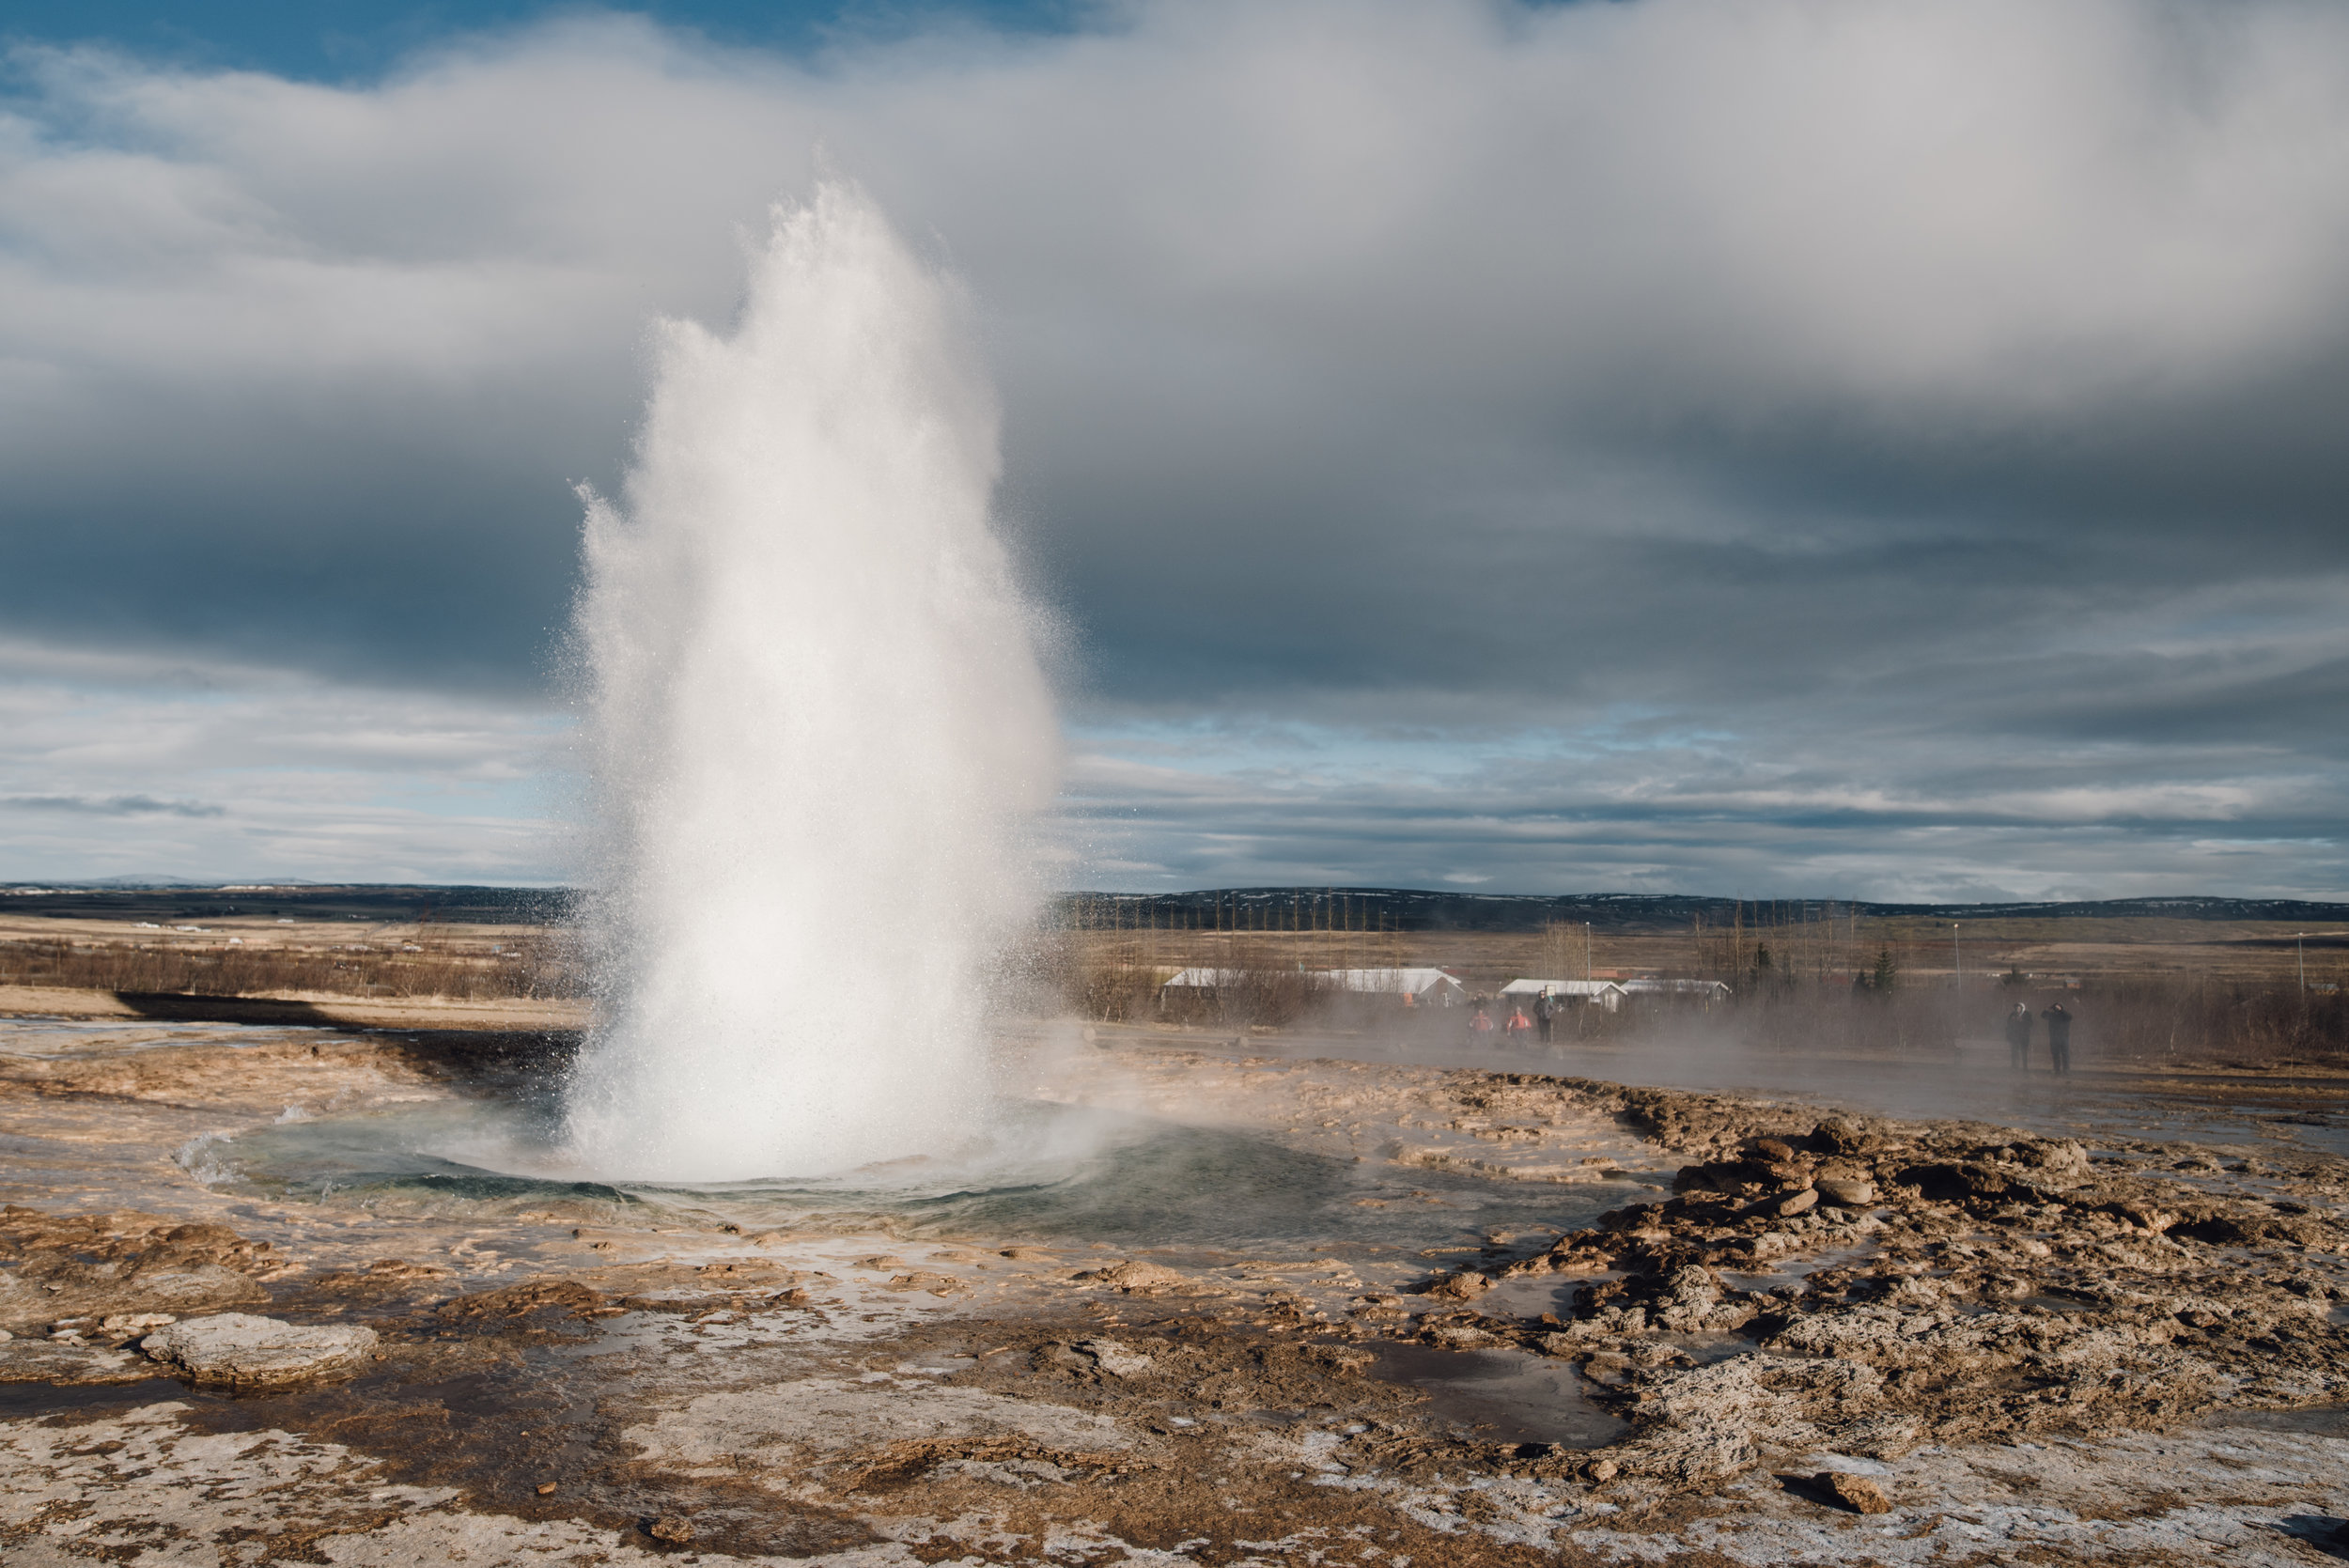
1705, 992
1427, 986
1205, 980
1593, 993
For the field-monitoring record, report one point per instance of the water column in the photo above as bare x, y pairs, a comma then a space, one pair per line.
816, 724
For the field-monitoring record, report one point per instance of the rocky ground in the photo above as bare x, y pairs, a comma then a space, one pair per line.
1786, 1338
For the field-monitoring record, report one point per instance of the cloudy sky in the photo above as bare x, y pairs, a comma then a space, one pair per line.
1787, 447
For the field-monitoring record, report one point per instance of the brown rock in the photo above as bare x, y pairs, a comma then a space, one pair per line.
1633, 1218
2061, 1161
1459, 1287
673, 1528
1116, 1359
385, 1275
920, 1279
566, 1296
104, 1265
2245, 1226
1958, 1181
1459, 1336
1801, 1202
1753, 1176
1135, 1275
1840, 1136
1844, 1192
248, 1353
55, 1361
1856, 1492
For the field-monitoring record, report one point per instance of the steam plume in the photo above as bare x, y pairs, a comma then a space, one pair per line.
818, 723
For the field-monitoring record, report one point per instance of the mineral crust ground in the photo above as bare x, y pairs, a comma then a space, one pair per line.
1707, 1329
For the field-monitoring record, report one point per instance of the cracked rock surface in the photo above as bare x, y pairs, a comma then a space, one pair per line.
239, 1351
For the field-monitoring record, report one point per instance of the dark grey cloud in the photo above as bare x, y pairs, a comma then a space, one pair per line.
112, 805
1662, 441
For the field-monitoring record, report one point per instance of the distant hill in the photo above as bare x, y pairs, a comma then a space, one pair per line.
1419, 909
1358, 908
110, 899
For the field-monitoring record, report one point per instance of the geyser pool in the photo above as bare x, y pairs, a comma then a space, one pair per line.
817, 729
1040, 1172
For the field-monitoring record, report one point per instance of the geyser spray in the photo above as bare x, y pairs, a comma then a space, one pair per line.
819, 728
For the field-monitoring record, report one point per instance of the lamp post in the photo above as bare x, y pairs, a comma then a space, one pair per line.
1959, 954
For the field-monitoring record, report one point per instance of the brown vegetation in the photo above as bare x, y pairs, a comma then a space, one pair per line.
2120, 1016
1812, 989
528, 966
1810, 977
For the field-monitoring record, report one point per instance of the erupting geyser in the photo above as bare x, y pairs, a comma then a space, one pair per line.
818, 729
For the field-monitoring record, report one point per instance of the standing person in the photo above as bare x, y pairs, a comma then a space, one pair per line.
1519, 1026
2058, 1035
2019, 1038
1544, 1009
1481, 1023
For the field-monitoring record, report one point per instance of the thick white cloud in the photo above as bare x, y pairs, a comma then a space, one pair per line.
1931, 409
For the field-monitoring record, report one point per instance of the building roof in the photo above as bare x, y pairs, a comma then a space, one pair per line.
1561, 987
1384, 982
1675, 987
1206, 980
1389, 982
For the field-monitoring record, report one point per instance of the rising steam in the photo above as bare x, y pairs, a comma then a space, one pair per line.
817, 728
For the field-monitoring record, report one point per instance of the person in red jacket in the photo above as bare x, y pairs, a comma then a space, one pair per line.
1482, 1022
1519, 1026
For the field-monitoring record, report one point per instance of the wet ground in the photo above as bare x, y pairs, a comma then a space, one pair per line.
1168, 1305
2107, 1098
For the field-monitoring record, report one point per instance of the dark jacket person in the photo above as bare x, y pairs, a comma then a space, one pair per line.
2058, 1035
2018, 1036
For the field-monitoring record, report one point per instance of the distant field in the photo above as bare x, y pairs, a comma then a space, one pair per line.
2040, 948
2156, 980
382, 903
285, 956
2142, 987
